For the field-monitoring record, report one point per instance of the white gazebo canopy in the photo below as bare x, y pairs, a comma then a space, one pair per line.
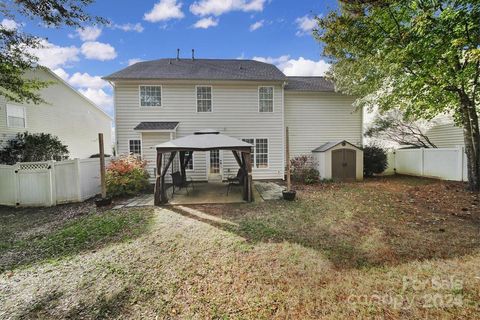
204, 140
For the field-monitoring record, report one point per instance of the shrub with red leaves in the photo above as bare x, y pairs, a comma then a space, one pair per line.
126, 176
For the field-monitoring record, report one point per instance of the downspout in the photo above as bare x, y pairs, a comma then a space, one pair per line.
115, 116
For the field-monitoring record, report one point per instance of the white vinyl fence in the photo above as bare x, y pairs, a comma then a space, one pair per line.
49, 183
442, 163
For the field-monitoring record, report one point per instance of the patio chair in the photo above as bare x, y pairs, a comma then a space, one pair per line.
236, 181
178, 182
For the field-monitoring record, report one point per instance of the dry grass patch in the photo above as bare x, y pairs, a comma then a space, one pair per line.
379, 222
317, 258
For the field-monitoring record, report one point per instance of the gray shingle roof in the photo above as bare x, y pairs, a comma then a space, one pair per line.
156, 126
329, 145
199, 69
315, 84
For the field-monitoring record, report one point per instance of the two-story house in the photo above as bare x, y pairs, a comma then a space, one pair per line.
156, 101
66, 113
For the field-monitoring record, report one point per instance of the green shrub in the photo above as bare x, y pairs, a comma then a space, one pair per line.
304, 170
32, 147
126, 176
374, 160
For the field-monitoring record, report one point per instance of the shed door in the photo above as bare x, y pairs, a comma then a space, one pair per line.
344, 164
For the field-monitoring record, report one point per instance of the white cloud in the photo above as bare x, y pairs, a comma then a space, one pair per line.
99, 97
257, 25
306, 67
297, 67
53, 56
276, 61
305, 25
98, 51
90, 86
89, 33
219, 7
9, 24
134, 60
206, 23
84, 80
61, 73
137, 27
165, 10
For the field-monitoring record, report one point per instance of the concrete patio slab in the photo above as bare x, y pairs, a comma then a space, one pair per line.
202, 193
206, 193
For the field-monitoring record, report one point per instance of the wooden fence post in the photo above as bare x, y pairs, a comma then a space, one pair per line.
287, 156
53, 184
102, 165
78, 176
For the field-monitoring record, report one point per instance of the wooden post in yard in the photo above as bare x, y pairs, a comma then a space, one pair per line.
287, 155
102, 165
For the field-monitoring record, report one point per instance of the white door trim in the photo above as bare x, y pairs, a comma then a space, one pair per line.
220, 174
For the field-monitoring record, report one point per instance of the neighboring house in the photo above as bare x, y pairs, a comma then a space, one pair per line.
445, 134
156, 101
67, 114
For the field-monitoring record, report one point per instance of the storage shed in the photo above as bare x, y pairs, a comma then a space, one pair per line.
339, 160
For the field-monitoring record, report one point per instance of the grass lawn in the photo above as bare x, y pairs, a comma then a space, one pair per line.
395, 248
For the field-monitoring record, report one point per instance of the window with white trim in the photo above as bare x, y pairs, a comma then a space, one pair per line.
265, 99
189, 165
260, 152
150, 96
204, 99
16, 117
135, 147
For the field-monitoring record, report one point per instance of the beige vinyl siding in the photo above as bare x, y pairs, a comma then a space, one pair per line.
446, 136
317, 118
149, 154
234, 113
66, 114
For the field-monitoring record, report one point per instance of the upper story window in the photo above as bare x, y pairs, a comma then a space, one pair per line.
16, 117
135, 147
150, 96
265, 99
204, 99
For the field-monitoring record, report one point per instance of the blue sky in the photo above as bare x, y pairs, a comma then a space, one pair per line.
276, 31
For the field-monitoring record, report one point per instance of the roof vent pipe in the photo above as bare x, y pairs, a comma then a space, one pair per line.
178, 54
193, 54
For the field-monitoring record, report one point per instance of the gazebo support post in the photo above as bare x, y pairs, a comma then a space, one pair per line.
237, 158
160, 190
157, 201
164, 198
182, 166
248, 165
247, 183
